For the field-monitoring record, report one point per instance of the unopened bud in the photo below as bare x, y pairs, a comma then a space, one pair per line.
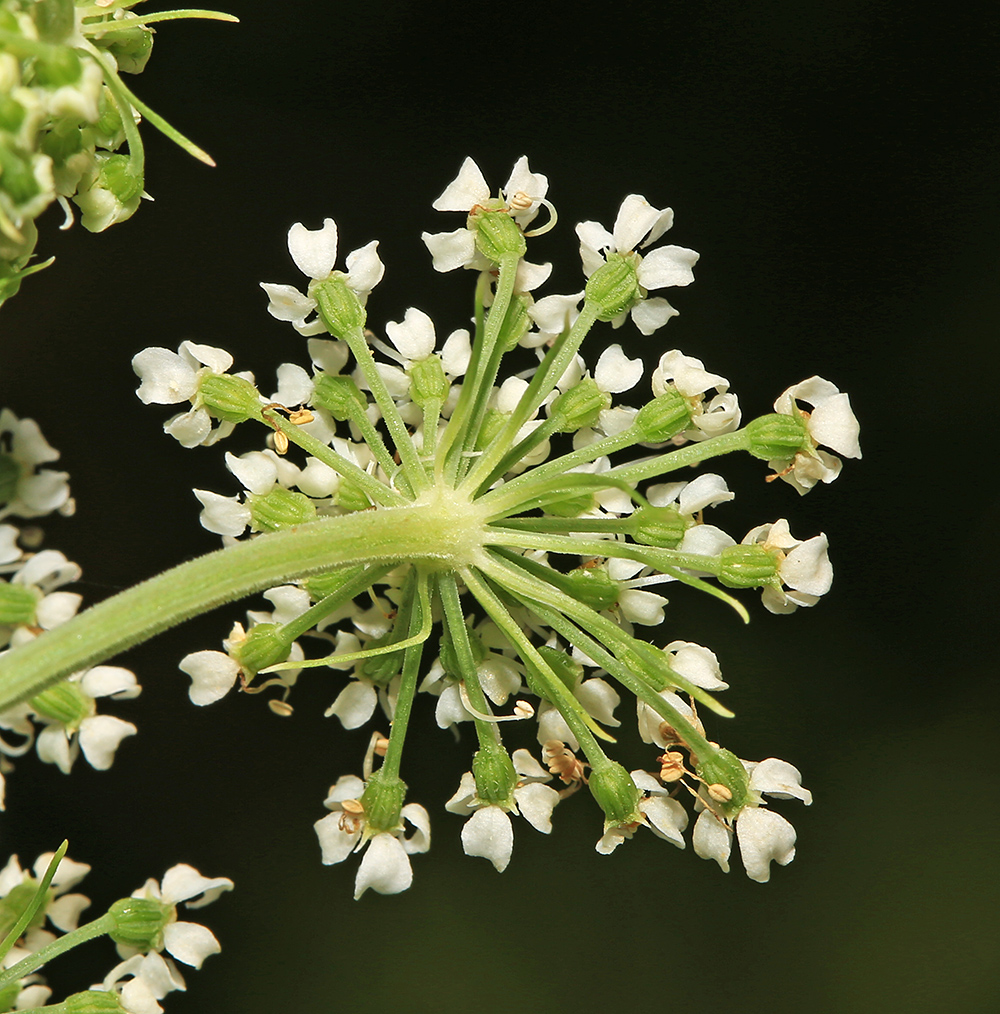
339, 305
723, 773
65, 703
93, 1001
516, 323
497, 234
663, 417
592, 586
281, 508
580, 406
340, 396
139, 923
663, 527
262, 646
495, 777
231, 399
382, 801
616, 794
572, 506
428, 384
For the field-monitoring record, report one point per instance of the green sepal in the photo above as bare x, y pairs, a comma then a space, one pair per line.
616, 794
497, 235
231, 399
592, 586
663, 527
12, 114
495, 777
17, 179
663, 417
350, 496
493, 422
131, 48
383, 800
449, 660
139, 923
320, 586
281, 508
381, 669
778, 436
65, 703
580, 406
340, 396
93, 1001
747, 566
724, 768
614, 287
338, 305
516, 323
17, 602
58, 67
428, 383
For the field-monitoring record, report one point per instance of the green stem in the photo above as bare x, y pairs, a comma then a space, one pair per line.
102, 28
554, 490
419, 618
136, 152
692, 454
417, 532
97, 928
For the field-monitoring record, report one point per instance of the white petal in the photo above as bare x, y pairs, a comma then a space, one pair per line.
450, 709
110, 681
668, 265
190, 428
528, 768
189, 942
529, 276
223, 515
184, 883
217, 360
450, 250
696, 663
64, 912
600, 699
834, 425
166, 378
99, 739
57, 607
712, 839
385, 867
255, 469
807, 567
355, 704
667, 818
295, 386
488, 833
138, 998
456, 353
642, 606
335, 843
688, 375
286, 303
705, 491
413, 336
314, 251
779, 778
764, 837
467, 189
536, 803
636, 217
464, 801
615, 372
212, 675
365, 269
346, 787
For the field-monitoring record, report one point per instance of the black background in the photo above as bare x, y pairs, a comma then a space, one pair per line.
833, 164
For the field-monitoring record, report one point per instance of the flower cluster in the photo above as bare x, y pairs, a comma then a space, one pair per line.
431, 518
65, 113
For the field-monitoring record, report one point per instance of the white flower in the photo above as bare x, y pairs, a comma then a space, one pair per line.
61, 909
187, 941
315, 253
28, 491
521, 197
488, 832
638, 225
664, 816
385, 866
719, 414
763, 835
169, 378
831, 423
43, 573
552, 316
98, 736
141, 980
804, 567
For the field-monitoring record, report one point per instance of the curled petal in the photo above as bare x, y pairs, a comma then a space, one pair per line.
190, 942
536, 803
184, 883
450, 250
636, 217
420, 840
764, 836
385, 867
100, 737
615, 372
488, 833
779, 778
467, 189
212, 673
314, 251
365, 269
712, 839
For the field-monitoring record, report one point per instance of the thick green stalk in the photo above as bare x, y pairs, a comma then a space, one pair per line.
692, 454
433, 530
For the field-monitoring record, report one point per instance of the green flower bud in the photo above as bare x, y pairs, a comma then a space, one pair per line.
614, 287
340, 396
497, 234
579, 406
17, 177
231, 399
612, 786
592, 586
428, 383
264, 645
321, 585
383, 799
281, 508
663, 417
516, 323
54, 19
65, 703
109, 192
15, 904
93, 1001
58, 67
563, 665
17, 603
12, 114
380, 669
572, 506
495, 777
724, 775
778, 436
339, 306
747, 566
663, 527
449, 660
62, 142
139, 923
131, 48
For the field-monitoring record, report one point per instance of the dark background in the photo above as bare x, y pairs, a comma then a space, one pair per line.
833, 164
